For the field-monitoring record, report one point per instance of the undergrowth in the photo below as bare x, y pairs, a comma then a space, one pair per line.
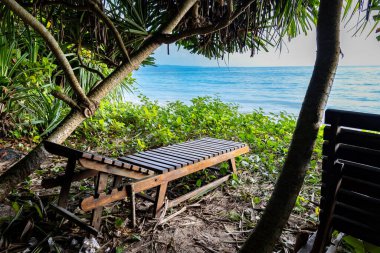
122, 128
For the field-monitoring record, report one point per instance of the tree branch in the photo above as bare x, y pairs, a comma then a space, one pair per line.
151, 44
53, 45
230, 16
65, 98
82, 65
95, 8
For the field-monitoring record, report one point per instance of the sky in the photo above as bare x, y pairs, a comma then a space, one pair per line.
301, 51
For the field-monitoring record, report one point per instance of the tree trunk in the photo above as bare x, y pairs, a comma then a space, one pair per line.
19, 171
281, 203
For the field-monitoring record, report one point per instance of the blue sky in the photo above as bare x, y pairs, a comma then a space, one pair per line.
300, 51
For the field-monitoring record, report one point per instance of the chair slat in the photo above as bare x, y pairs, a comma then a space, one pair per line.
355, 154
361, 171
360, 186
359, 215
350, 119
356, 229
358, 200
357, 137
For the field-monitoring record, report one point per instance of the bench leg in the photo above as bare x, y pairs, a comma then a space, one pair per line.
66, 183
232, 164
132, 202
160, 199
117, 180
100, 186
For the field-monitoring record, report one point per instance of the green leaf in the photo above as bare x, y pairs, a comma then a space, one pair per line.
356, 244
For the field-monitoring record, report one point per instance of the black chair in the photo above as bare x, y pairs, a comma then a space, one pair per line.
350, 193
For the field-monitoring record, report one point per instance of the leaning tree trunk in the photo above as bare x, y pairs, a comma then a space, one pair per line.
19, 171
288, 186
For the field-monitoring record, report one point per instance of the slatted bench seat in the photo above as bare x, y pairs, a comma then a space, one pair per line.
135, 173
350, 192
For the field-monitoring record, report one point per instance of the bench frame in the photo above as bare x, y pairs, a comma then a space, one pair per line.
139, 179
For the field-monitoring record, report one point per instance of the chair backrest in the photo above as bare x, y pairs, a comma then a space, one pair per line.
351, 174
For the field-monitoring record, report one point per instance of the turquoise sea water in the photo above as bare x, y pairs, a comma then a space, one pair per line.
273, 89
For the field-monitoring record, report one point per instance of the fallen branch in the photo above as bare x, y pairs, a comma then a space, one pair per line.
172, 216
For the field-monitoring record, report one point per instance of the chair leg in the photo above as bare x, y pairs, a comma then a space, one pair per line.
100, 186
66, 183
160, 199
232, 164
132, 200
322, 237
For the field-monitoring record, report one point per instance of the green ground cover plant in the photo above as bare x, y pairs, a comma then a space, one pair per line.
120, 128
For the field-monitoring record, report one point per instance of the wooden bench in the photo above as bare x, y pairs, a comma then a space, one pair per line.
133, 174
350, 193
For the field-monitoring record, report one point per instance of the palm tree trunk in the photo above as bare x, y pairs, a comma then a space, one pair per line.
281, 203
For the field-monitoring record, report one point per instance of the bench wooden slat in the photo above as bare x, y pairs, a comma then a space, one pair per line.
158, 160
200, 148
217, 145
209, 148
139, 159
194, 151
186, 152
98, 158
239, 144
108, 161
87, 156
60, 150
170, 158
142, 164
178, 154
157, 157
221, 144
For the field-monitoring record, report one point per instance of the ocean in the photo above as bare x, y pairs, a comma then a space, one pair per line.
273, 89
